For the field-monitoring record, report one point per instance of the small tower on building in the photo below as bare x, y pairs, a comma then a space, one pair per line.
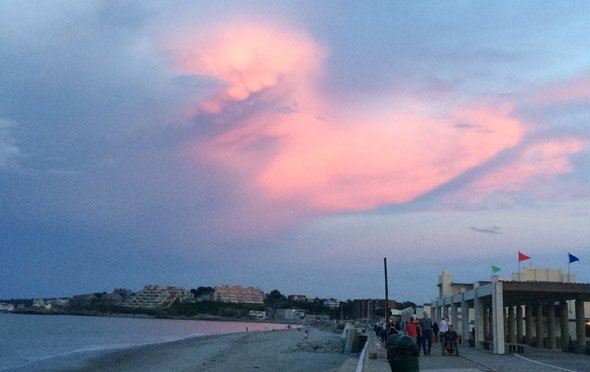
444, 283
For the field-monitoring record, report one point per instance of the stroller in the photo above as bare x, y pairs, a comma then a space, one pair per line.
450, 343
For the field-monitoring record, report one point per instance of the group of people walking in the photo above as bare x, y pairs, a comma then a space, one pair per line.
425, 331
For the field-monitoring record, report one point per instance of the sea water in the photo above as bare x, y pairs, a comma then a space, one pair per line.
26, 339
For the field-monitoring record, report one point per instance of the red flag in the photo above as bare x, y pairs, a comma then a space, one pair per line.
522, 256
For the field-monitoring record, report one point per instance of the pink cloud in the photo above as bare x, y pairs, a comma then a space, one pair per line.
320, 155
388, 157
247, 58
536, 163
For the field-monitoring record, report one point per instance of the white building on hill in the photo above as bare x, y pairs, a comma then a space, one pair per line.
153, 296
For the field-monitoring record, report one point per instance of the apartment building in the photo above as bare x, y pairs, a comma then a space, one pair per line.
41, 303
6, 307
153, 296
238, 294
370, 308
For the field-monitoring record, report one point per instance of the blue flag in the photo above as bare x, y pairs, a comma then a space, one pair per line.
573, 258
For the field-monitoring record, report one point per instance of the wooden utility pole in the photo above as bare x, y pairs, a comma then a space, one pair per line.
386, 298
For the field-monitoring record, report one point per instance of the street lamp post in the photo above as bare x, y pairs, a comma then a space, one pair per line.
386, 298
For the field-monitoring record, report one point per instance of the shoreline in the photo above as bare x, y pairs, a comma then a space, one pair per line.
146, 316
271, 350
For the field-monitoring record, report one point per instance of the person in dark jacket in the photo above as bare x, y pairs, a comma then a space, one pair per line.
426, 328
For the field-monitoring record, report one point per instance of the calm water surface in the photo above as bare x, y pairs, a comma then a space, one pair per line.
26, 339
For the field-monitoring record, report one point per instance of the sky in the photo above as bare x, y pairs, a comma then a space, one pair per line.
291, 145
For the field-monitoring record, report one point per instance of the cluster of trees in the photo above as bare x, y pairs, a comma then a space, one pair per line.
203, 291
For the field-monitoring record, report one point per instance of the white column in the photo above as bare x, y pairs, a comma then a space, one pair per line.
505, 315
497, 315
512, 324
551, 326
454, 317
580, 327
530, 325
565, 329
539, 323
519, 324
464, 318
479, 319
487, 322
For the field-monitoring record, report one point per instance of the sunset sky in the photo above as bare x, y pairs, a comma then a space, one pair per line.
291, 145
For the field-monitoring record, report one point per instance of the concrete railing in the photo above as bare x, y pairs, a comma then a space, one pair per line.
352, 337
362, 364
370, 350
348, 335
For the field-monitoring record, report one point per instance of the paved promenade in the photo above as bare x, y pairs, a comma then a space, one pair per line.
470, 359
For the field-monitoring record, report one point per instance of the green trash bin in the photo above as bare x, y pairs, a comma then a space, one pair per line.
402, 354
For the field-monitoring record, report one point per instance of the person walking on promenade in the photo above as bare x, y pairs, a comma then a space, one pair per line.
377, 329
418, 335
412, 329
434, 331
443, 328
426, 327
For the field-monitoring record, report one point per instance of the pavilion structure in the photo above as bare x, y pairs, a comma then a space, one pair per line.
542, 308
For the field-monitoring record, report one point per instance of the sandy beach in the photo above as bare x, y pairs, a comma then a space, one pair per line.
286, 350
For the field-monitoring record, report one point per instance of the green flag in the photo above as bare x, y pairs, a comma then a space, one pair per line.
495, 269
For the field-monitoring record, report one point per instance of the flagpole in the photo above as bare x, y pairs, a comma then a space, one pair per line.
571, 258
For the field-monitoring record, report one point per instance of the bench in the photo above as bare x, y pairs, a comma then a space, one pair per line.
515, 347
